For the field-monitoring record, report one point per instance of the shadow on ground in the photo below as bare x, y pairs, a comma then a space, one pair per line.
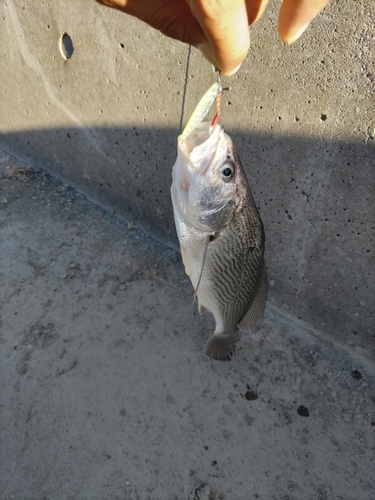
315, 196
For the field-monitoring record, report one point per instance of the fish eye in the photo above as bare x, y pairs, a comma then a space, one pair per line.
227, 172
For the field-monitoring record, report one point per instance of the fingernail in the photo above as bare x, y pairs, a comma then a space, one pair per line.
295, 36
232, 71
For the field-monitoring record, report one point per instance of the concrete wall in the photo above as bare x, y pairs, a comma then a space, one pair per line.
106, 121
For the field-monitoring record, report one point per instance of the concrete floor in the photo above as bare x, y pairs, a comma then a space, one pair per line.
106, 392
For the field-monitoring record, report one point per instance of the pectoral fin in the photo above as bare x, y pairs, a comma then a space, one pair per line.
255, 314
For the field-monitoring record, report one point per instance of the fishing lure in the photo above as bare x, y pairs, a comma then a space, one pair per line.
203, 107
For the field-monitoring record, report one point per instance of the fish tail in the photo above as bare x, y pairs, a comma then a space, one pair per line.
221, 346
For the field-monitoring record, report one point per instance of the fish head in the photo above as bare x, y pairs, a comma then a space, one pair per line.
205, 178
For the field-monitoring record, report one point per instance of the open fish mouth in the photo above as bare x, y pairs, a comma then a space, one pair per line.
196, 152
198, 142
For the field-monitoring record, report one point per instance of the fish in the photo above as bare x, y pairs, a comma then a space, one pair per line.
221, 234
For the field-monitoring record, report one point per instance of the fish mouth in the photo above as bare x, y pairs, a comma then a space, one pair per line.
198, 136
198, 150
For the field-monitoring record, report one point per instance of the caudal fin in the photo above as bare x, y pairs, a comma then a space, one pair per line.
222, 347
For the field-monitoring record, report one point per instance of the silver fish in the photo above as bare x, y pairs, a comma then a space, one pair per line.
221, 235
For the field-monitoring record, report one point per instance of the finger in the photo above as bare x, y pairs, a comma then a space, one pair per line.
255, 9
172, 18
115, 4
225, 26
295, 16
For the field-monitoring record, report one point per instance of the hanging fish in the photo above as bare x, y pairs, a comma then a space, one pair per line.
219, 229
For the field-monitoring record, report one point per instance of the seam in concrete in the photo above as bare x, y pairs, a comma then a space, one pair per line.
32, 62
318, 333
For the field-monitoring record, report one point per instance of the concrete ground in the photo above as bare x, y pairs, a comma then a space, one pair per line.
106, 392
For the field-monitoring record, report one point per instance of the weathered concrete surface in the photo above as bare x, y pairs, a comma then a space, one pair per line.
105, 392
107, 119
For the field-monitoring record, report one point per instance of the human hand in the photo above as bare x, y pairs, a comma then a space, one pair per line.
219, 29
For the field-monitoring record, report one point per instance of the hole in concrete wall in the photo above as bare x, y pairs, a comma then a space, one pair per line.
66, 46
323, 117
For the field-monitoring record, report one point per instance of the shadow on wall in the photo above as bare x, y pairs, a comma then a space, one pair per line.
315, 197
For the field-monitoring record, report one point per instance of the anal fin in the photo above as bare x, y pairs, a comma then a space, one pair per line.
201, 308
255, 314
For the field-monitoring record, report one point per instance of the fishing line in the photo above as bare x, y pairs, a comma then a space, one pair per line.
185, 87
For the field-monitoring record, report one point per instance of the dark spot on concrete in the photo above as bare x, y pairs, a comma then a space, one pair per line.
356, 374
251, 395
303, 411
